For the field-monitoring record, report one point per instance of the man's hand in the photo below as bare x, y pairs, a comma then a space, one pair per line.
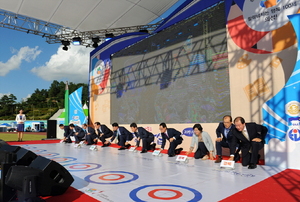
101, 134
231, 158
171, 139
256, 140
219, 139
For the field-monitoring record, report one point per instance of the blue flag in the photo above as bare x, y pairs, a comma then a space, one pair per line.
76, 114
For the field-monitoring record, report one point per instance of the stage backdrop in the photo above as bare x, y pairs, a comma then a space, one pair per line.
207, 59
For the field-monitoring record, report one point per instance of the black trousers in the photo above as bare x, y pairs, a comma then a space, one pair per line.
90, 138
201, 151
103, 137
219, 146
146, 143
251, 157
173, 145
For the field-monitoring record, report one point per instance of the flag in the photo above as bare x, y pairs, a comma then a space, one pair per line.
76, 114
67, 105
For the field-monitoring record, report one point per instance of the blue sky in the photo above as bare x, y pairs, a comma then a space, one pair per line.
28, 62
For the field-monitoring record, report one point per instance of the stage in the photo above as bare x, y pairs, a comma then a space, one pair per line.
110, 175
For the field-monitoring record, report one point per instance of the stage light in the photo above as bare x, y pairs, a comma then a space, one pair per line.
76, 41
65, 45
96, 40
109, 36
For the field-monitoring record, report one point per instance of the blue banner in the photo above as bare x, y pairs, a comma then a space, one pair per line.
76, 114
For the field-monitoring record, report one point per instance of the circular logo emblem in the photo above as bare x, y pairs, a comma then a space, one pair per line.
111, 177
166, 192
292, 108
82, 166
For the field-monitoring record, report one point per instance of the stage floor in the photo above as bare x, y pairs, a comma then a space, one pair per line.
110, 175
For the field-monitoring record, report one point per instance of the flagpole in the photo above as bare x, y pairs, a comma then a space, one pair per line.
67, 104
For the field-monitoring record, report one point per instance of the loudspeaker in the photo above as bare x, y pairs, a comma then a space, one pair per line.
51, 128
15, 175
23, 156
55, 178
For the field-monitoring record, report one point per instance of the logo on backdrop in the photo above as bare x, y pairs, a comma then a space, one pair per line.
292, 108
188, 132
268, 15
158, 139
294, 132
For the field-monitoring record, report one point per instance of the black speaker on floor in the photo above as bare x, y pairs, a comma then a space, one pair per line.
51, 129
56, 179
23, 156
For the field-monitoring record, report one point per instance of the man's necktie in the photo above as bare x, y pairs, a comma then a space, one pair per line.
246, 136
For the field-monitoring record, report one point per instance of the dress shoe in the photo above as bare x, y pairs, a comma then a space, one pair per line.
128, 146
177, 151
252, 166
172, 155
122, 148
144, 151
219, 159
105, 145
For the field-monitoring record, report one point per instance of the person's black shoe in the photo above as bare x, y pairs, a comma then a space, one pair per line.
177, 151
252, 166
172, 155
122, 148
144, 151
128, 146
105, 145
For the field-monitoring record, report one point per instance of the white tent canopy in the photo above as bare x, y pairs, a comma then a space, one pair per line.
87, 15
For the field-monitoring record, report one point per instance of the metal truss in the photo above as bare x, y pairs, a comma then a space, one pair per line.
54, 33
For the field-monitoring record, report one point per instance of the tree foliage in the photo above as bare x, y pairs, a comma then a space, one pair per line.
42, 103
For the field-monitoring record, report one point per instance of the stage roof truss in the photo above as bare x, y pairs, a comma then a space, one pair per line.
54, 33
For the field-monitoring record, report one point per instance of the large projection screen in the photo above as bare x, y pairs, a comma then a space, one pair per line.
179, 75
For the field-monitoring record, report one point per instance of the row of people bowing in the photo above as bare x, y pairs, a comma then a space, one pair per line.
238, 136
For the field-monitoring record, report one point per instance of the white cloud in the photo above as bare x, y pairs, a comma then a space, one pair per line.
25, 53
26, 98
72, 65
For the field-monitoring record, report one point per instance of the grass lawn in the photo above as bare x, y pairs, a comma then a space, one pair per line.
13, 136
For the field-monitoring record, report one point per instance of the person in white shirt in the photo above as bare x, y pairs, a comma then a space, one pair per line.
202, 143
20, 119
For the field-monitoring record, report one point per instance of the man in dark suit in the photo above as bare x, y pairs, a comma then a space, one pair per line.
252, 139
224, 137
173, 136
66, 132
123, 136
77, 132
90, 135
146, 136
103, 132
